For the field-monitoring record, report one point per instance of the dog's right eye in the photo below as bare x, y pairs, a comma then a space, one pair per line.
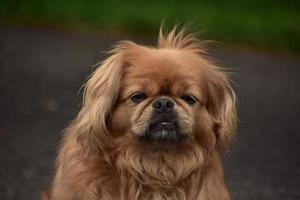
138, 97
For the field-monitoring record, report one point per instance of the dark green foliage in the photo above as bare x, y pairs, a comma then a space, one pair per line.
265, 24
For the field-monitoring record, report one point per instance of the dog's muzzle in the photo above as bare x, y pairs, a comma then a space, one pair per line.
163, 125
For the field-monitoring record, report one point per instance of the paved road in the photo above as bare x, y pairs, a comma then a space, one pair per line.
42, 70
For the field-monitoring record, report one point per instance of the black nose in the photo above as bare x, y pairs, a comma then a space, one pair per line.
163, 105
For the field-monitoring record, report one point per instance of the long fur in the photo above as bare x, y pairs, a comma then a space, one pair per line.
93, 164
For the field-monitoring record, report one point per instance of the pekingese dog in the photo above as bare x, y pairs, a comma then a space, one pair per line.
153, 124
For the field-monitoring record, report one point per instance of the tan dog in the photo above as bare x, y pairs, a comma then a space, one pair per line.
152, 126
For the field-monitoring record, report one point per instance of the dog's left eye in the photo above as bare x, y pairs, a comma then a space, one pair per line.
138, 97
190, 99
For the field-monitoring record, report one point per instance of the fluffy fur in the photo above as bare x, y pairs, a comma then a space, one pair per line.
101, 156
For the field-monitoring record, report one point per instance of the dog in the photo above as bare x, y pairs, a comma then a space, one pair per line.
153, 125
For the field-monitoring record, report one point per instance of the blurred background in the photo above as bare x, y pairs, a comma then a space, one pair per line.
49, 47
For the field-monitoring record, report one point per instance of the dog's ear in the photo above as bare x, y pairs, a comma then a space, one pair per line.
221, 105
100, 95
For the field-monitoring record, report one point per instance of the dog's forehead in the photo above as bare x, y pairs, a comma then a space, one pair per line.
164, 71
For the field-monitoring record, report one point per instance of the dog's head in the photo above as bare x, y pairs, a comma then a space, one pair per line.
167, 99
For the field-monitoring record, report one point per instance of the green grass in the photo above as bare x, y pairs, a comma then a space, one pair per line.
272, 25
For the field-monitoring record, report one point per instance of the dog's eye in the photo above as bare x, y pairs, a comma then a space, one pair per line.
190, 99
138, 97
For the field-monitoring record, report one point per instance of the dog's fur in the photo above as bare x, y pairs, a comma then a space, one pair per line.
102, 155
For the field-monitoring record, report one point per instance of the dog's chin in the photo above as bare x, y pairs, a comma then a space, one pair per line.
163, 135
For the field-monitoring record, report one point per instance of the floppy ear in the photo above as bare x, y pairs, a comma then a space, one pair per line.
100, 95
221, 105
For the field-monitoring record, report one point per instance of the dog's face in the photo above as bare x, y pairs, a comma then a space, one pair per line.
162, 99
168, 102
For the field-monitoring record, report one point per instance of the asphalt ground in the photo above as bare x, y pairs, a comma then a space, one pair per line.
42, 70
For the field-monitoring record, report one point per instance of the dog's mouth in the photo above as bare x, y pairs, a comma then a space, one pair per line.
163, 128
